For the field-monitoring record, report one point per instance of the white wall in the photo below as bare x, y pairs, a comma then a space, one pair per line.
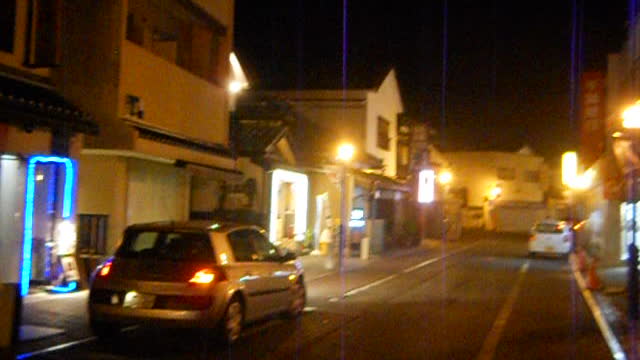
478, 172
385, 102
157, 192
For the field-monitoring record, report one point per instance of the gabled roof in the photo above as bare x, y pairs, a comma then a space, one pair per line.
330, 77
254, 137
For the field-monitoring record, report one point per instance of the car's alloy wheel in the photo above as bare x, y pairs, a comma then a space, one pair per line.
233, 319
298, 299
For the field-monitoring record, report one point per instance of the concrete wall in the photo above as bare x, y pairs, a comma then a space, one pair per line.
173, 98
387, 103
102, 189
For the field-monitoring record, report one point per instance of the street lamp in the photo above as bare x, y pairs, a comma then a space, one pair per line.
345, 154
631, 121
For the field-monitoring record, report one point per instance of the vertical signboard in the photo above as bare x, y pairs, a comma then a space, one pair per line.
592, 125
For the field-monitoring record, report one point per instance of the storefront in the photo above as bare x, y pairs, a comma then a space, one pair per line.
288, 209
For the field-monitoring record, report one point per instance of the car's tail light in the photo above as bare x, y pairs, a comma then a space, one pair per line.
204, 276
105, 269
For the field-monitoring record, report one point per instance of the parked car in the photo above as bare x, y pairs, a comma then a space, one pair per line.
550, 237
195, 274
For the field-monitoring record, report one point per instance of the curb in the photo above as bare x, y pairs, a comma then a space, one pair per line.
612, 342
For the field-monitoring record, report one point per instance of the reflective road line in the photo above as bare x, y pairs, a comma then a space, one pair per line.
491, 342
612, 341
405, 271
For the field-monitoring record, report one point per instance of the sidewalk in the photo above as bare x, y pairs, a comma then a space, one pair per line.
53, 319
612, 303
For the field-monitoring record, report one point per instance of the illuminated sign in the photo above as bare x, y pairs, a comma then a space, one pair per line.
426, 186
67, 200
357, 218
569, 167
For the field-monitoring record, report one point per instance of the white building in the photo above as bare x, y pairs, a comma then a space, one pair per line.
508, 188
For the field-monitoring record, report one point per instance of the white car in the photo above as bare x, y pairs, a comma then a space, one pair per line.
550, 237
196, 274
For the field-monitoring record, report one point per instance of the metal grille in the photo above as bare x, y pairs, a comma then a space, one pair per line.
92, 234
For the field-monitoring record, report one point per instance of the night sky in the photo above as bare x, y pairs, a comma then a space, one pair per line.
508, 62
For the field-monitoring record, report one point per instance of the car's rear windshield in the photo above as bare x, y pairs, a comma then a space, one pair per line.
166, 245
549, 228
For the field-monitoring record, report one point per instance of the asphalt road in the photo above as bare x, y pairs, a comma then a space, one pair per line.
482, 299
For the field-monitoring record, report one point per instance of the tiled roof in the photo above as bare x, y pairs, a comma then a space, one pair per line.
31, 106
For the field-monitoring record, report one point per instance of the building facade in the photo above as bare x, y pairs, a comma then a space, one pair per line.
41, 137
367, 118
508, 189
156, 79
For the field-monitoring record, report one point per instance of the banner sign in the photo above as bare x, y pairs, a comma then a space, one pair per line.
592, 113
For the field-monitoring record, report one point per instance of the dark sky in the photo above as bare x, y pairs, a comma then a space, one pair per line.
508, 62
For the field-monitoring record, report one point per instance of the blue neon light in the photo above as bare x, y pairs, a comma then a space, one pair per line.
28, 213
65, 289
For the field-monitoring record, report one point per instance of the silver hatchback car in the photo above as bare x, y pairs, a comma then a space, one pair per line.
195, 274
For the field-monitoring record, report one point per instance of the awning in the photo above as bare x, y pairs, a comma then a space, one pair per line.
29, 105
381, 182
215, 172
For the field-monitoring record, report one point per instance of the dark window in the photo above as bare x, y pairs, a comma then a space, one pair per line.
92, 234
506, 174
383, 133
532, 176
7, 24
265, 250
242, 246
166, 245
43, 33
550, 228
179, 33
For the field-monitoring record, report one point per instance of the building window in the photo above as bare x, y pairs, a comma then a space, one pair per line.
43, 33
506, 173
532, 176
179, 33
383, 133
7, 25
92, 234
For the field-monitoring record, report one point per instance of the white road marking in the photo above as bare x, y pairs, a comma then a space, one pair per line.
405, 271
609, 337
55, 348
488, 349
66, 345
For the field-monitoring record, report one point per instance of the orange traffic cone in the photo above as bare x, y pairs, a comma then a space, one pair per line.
593, 280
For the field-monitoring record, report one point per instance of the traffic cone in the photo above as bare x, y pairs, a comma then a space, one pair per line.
593, 280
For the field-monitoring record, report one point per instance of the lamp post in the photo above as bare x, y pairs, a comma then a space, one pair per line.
445, 178
631, 122
345, 154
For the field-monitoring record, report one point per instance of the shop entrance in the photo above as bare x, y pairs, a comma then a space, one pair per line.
288, 213
48, 259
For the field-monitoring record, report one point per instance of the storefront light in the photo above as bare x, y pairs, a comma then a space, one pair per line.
67, 200
300, 188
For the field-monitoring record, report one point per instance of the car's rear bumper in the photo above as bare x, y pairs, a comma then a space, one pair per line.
163, 317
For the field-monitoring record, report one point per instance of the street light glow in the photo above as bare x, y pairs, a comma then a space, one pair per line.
235, 87
346, 152
631, 117
495, 192
445, 177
